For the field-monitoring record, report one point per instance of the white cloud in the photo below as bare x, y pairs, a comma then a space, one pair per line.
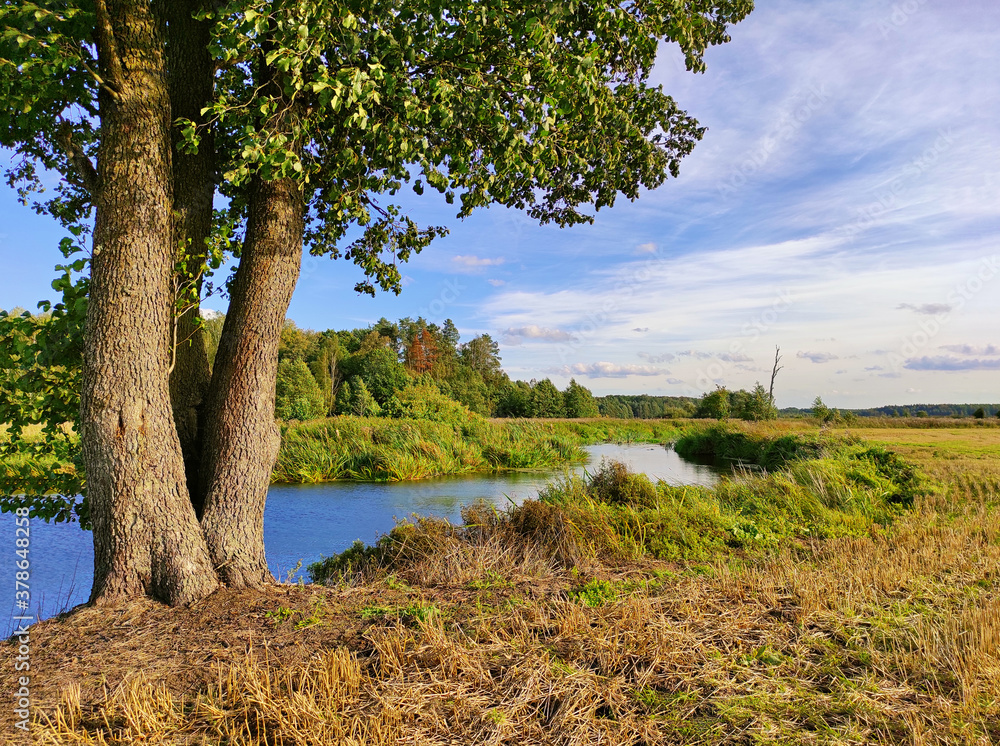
497, 283
514, 335
645, 248
735, 357
471, 263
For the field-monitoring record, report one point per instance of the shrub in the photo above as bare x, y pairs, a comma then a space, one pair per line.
354, 398
297, 395
423, 401
613, 483
714, 405
894, 468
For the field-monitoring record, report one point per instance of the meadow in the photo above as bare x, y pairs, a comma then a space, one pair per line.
840, 588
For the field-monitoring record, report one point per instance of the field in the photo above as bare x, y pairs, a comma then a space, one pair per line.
842, 598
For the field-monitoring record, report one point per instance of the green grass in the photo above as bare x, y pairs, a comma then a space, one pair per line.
807, 604
385, 449
382, 449
836, 488
768, 446
378, 449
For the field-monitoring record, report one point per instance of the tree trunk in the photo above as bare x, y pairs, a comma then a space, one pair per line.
146, 536
241, 437
191, 84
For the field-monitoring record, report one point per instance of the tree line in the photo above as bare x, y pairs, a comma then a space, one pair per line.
398, 368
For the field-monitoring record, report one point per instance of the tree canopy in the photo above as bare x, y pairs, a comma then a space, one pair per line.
309, 117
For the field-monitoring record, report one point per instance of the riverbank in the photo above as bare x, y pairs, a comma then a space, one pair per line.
386, 449
382, 449
884, 627
389, 449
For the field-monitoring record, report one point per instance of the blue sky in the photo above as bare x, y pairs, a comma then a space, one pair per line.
843, 205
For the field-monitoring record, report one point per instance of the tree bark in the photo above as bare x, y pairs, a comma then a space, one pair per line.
146, 536
191, 85
241, 437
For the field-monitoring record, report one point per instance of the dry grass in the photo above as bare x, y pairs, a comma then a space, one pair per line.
891, 637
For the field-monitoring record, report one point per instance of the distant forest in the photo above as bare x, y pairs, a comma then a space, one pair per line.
909, 410
406, 368
415, 368
646, 407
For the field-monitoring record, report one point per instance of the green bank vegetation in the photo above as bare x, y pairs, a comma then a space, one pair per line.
392, 450
441, 438
445, 439
805, 486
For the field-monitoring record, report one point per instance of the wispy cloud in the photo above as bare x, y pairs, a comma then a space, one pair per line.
927, 309
645, 248
496, 283
514, 335
817, 357
664, 358
607, 370
987, 350
471, 263
951, 363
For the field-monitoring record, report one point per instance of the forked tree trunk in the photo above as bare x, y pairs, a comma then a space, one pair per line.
191, 82
146, 537
241, 437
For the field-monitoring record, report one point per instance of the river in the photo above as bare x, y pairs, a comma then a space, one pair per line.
303, 522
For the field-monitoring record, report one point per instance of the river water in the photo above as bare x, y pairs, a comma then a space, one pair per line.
306, 522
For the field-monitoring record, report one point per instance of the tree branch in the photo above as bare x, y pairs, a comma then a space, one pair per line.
107, 50
77, 157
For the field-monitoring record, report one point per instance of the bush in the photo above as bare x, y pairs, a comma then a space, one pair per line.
714, 405
894, 468
423, 401
297, 395
613, 483
725, 444
354, 398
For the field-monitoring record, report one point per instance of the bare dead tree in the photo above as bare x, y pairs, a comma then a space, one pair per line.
774, 371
